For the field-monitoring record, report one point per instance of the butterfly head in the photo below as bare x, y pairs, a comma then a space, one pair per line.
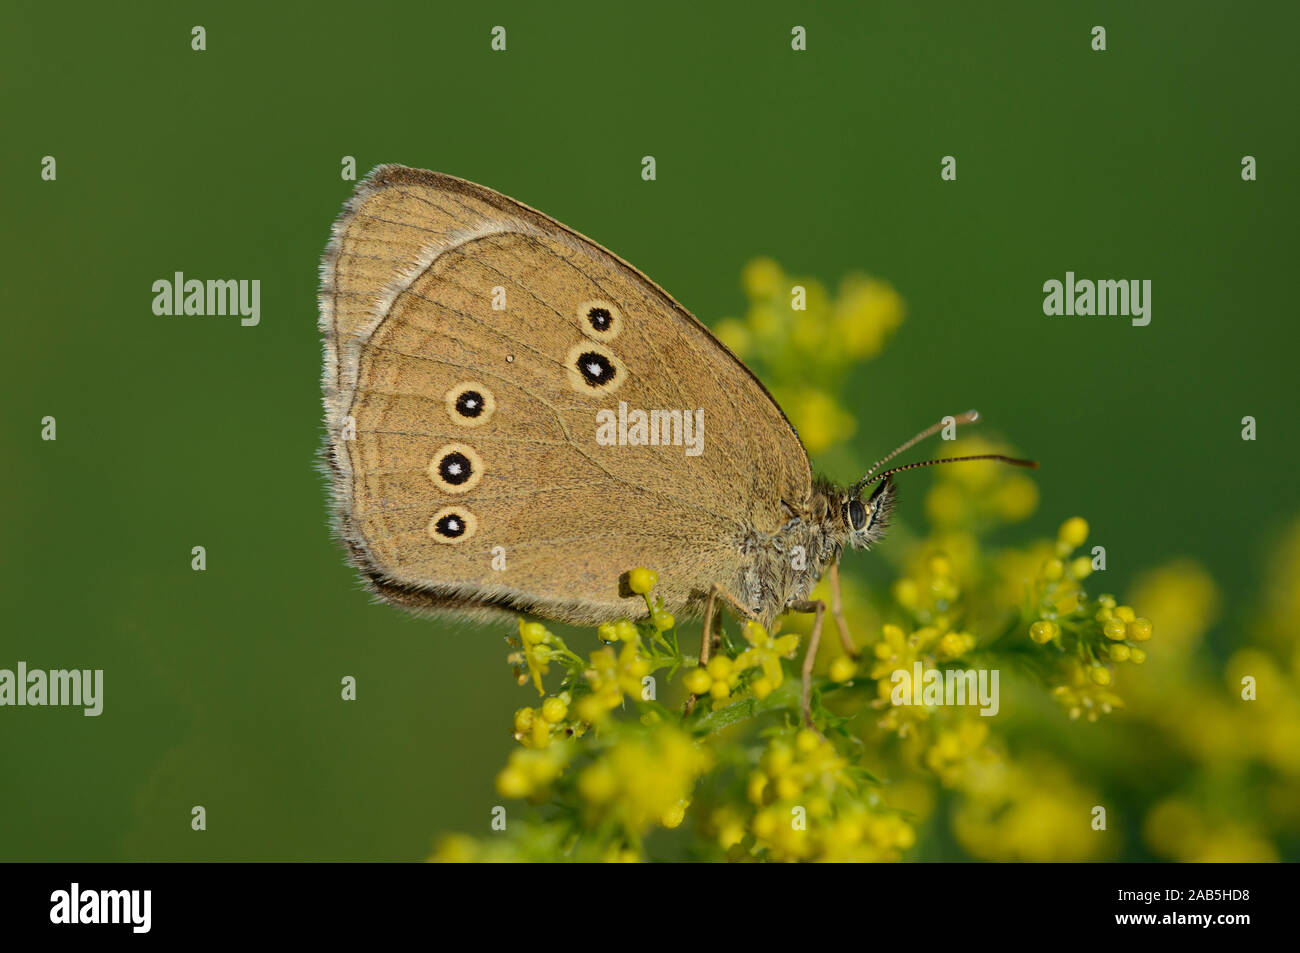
866, 517
865, 520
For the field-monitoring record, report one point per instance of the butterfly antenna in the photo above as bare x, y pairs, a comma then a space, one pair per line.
1014, 461
967, 418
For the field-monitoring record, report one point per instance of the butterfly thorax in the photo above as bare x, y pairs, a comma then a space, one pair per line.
782, 568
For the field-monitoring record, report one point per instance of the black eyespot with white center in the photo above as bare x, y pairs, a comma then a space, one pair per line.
600, 320
594, 369
456, 468
470, 404
452, 524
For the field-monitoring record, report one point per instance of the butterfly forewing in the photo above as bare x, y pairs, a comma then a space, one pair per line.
472, 345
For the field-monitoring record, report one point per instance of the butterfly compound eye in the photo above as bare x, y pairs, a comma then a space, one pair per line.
857, 514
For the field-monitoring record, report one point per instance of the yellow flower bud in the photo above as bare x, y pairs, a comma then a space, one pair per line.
554, 710
523, 720
641, 580
1137, 656
674, 816
533, 633
698, 681
788, 788
1139, 630
512, 782
765, 823
1115, 630
1100, 675
1073, 532
719, 666
1125, 613
762, 687
842, 669
1042, 631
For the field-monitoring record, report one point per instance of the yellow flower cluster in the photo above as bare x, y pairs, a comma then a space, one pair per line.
1092, 636
538, 646
1238, 723
529, 772
1084, 691
535, 659
644, 780
806, 807
613, 676
535, 727
1031, 811
959, 750
1052, 577
897, 650
723, 675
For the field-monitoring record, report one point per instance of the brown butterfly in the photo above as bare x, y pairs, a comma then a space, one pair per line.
475, 348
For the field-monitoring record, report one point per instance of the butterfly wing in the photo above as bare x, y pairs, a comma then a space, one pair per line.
484, 371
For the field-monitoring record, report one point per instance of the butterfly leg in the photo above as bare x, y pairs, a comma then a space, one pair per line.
706, 635
837, 612
814, 639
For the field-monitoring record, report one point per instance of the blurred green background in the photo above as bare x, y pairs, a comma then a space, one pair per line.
222, 687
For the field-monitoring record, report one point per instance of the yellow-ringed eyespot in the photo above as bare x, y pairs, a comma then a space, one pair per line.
456, 468
452, 524
593, 369
470, 404
600, 320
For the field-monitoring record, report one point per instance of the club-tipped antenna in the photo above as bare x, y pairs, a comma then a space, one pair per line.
1014, 461
967, 418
